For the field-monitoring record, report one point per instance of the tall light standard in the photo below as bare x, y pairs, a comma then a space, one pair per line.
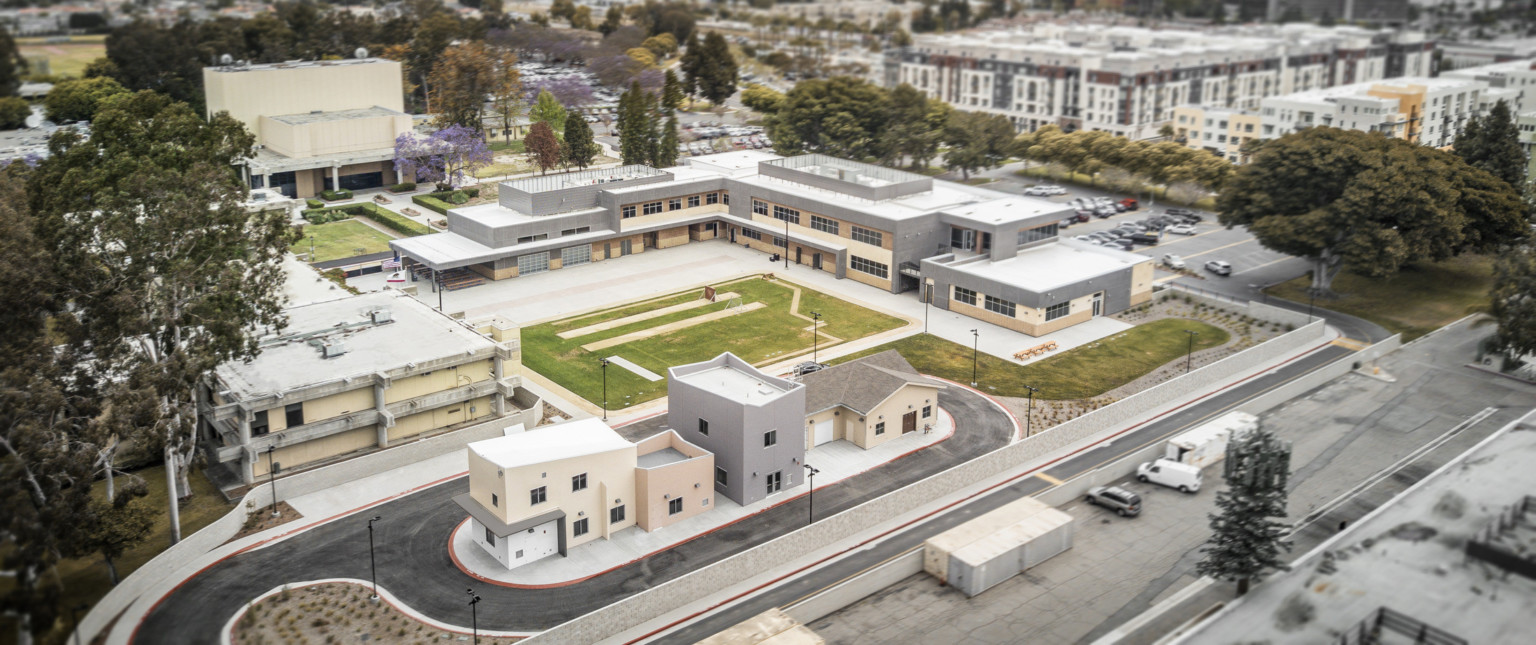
1189, 353
975, 346
373, 565
927, 301
815, 334
604, 363
474, 619
1311, 298
786, 243
811, 498
272, 477
1028, 415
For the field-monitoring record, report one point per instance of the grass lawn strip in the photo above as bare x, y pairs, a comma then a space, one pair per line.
1416, 301
1079, 373
592, 329
757, 336
342, 239
672, 327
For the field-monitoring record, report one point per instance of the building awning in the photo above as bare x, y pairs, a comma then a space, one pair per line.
489, 520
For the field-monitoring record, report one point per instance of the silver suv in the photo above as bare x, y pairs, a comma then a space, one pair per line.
1123, 502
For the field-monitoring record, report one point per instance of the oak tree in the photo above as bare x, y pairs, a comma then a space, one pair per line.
542, 146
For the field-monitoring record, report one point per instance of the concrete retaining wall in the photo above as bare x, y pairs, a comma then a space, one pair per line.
148, 583
1252, 309
1058, 441
857, 587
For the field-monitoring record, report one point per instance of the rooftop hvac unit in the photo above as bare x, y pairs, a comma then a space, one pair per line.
381, 316
333, 349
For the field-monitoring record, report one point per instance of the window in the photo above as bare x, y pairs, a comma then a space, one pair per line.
579, 482
259, 425
703, 427
532, 238
880, 428
495, 501
490, 538
965, 295
770, 438
787, 214
295, 414
722, 478
574, 255
1036, 234
651, 208
579, 527
576, 231
760, 207
536, 496
533, 263
693, 201
1056, 311
712, 198
675, 506
751, 234
725, 198
779, 242
927, 411
868, 266
616, 515
627, 211
1000, 306
861, 234
675, 204
823, 224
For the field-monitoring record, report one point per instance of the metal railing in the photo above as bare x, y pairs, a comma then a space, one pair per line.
1368, 631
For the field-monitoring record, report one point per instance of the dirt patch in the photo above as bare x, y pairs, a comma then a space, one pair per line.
260, 518
336, 612
1451, 505
1413, 532
1294, 613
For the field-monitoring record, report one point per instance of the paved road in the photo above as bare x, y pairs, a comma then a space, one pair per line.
414, 564
797, 587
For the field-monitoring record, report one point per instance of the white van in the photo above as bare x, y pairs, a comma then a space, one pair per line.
1170, 473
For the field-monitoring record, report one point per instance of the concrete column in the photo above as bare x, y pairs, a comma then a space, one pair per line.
335, 177
498, 400
245, 426
248, 466
386, 420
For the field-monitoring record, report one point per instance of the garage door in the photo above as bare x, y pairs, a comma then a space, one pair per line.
823, 432
572, 256
533, 263
538, 542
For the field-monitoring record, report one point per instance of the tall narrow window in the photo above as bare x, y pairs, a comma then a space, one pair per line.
295, 414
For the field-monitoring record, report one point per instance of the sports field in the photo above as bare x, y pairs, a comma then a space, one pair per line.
65, 59
763, 322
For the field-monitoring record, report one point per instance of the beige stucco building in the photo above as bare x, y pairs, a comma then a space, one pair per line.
318, 124
542, 492
356, 374
868, 401
1222, 131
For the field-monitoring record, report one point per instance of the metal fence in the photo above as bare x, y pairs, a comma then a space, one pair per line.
1368, 631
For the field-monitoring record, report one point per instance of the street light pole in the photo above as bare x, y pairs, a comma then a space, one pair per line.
474, 619
1311, 298
604, 363
927, 301
786, 243
1189, 353
811, 498
815, 335
975, 346
272, 478
373, 565
1028, 415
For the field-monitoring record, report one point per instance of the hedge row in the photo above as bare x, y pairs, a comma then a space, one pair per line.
441, 201
383, 216
403, 187
333, 195
314, 203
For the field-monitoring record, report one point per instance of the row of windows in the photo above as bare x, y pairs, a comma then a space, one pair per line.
965, 295
1000, 306
1057, 311
861, 234
675, 203
824, 225
532, 238
1036, 234
751, 234
786, 214
293, 415
869, 266
651, 208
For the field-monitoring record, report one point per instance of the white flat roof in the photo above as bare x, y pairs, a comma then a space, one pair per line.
734, 161
734, 384
997, 211
551, 443
1057, 264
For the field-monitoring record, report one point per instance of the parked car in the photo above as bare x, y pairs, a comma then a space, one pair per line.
1104, 212
1066, 222
1123, 244
1182, 229
1083, 216
1176, 212
1038, 191
1130, 204
1170, 473
1219, 267
1083, 238
1144, 238
1173, 261
1123, 502
807, 367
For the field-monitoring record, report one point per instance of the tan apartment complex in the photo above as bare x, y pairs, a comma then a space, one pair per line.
356, 374
318, 124
1220, 131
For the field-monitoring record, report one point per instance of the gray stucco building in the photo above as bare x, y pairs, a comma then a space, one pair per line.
754, 424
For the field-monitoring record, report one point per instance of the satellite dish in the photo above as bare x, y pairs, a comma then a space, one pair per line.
226, 59
362, 52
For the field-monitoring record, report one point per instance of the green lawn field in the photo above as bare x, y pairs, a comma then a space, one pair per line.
342, 239
1416, 301
65, 59
1080, 373
760, 336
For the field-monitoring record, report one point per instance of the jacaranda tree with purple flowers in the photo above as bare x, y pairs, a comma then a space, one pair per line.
448, 157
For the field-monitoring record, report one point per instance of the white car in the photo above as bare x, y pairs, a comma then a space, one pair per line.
1173, 261
1038, 191
1182, 229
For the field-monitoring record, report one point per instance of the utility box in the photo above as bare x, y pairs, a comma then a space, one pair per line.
1207, 444
990, 549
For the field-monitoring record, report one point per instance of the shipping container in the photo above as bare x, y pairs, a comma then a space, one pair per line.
936, 549
994, 547
1207, 444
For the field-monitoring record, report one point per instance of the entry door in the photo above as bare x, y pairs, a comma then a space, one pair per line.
626, 247
823, 432
1098, 303
649, 239
797, 254
909, 423
607, 250
816, 261
733, 235
775, 481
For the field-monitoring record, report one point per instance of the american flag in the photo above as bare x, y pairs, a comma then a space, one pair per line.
391, 263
